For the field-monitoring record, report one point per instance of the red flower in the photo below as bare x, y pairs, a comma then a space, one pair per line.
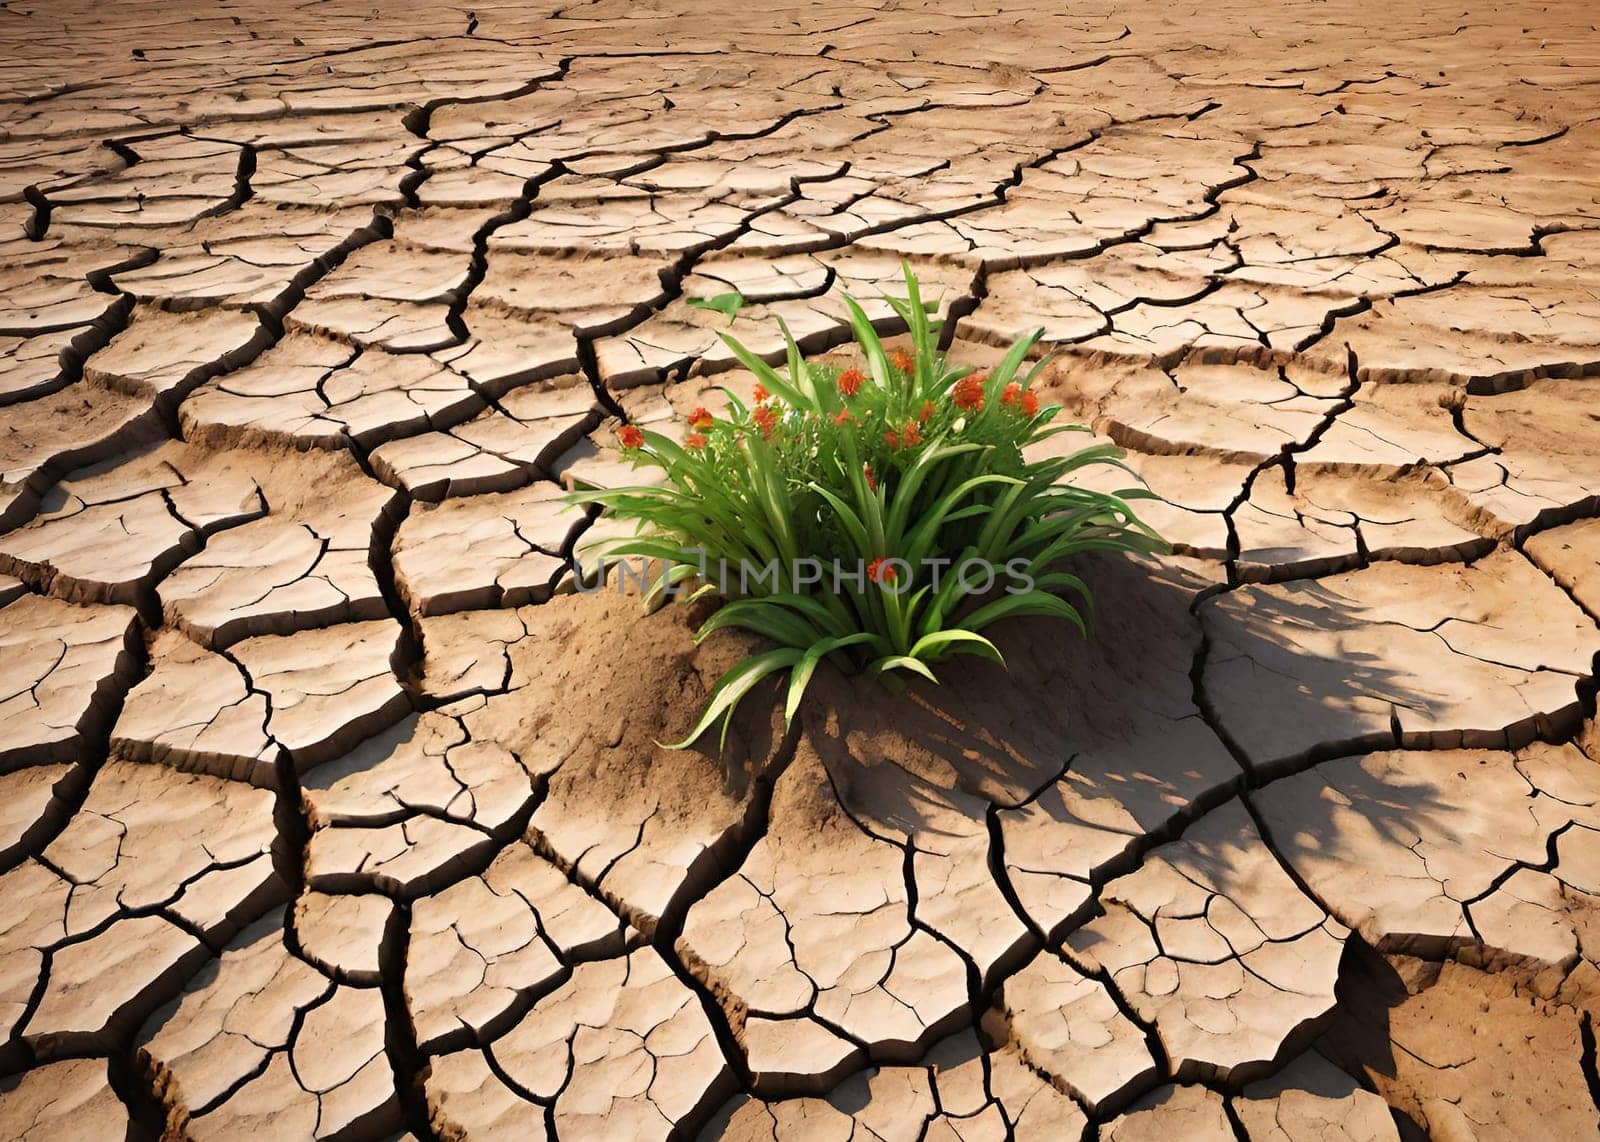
880, 572
765, 419
630, 437
1030, 405
694, 441
700, 420
842, 417
1019, 400
872, 484
968, 393
912, 436
891, 438
761, 395
926, 411
903, 361
850, 381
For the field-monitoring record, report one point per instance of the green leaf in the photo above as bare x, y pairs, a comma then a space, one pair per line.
800, 676
916, 315
1000, 376
848, 518
1029, 603
733, 686
867, 337
764, 372
799, 374
900, 612
900, 662
905, 493
931, 647
762, 617
728, 304
1058, 581
813, 607
944, 599
658, 596
919, 543
704, 591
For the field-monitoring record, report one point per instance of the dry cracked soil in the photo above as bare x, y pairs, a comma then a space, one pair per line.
327, 810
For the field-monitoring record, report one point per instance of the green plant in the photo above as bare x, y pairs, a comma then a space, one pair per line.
903, 461
728, 304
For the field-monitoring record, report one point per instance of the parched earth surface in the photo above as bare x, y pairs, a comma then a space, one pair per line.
327, 810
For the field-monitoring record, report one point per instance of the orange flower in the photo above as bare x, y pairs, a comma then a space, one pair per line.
968, 393
842, 417
880, 572
912, 436
872, 484
765, 419
1025, 403
700, 420
694, 441
903, 361
761, 395
891, 438
630, 437
926, 411
850, 381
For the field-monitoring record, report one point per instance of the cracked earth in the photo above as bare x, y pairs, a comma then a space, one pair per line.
327, 809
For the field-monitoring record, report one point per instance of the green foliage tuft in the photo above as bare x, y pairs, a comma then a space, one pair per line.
887, 465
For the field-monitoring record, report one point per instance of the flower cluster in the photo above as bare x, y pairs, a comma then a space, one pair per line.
863, 407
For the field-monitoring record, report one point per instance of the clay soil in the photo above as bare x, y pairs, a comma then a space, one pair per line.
330, 809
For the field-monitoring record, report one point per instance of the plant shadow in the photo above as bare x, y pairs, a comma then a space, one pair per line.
1102, 739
